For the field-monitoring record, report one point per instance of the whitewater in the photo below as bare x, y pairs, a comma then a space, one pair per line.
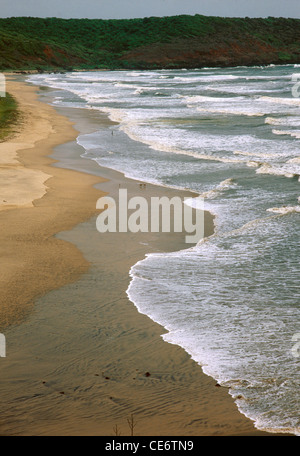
231, 136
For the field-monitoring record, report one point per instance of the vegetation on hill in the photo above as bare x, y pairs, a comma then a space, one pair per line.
28, 43
8, 115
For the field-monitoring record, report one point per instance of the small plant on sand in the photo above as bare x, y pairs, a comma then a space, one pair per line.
131, 424
117, 432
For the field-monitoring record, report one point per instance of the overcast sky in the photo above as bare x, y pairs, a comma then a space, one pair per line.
117, 9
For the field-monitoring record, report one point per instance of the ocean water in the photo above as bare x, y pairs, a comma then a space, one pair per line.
232, 136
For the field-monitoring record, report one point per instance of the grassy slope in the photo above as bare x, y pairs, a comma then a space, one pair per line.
36, 43
8, 115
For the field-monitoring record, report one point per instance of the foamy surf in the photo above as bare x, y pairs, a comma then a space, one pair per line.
231, 136
294, 134
284, 210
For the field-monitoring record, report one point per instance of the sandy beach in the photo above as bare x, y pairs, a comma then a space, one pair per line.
80, 358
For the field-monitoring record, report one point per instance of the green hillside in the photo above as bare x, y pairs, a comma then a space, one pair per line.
28, 43
8, 115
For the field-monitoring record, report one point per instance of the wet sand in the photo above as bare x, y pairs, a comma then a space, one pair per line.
80, 358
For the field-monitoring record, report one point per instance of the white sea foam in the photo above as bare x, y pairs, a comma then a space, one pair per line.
231, 301
293, 133
124, 85
284, 209
225, 185
294, 160
281, 100
262, 154
289, 170
128, 128
291, 121
206, 78
235, 106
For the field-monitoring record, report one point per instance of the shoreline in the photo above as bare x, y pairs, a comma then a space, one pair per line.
177, 398
34, 196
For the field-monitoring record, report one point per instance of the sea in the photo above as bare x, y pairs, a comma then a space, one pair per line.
232, 136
